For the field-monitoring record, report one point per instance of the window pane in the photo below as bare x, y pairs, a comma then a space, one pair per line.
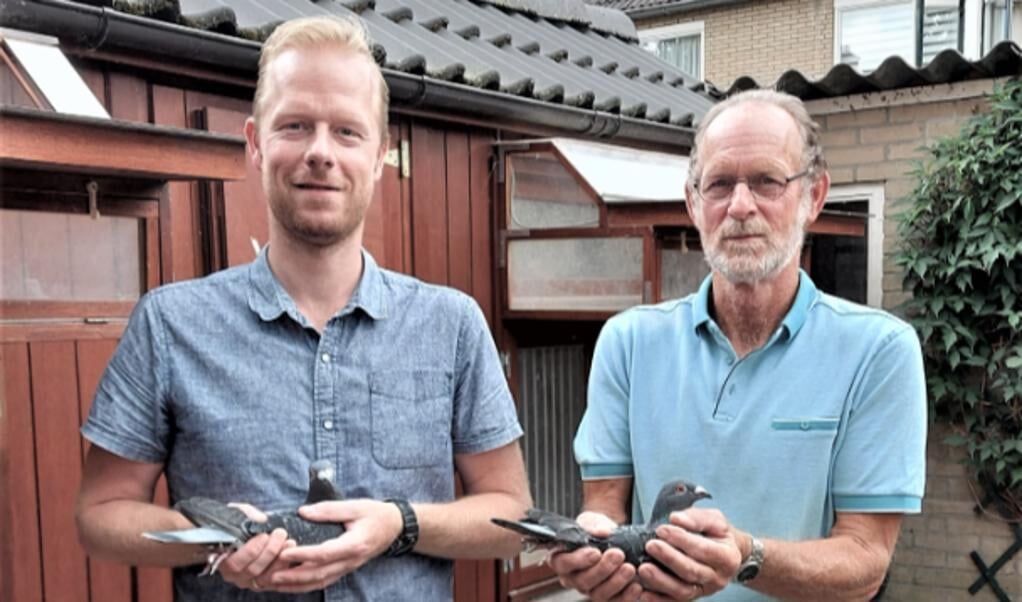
69, 257
546, 195
682, 270
682, 52
872, 33
940, 27
601, 274
997, 26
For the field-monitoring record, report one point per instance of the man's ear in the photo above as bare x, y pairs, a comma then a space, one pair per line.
252, 150
690, 206
819, 191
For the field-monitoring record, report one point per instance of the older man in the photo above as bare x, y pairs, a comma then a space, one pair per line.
234, 383
803, 414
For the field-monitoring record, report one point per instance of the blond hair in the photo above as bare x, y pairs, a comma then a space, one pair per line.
812, 152
309, 32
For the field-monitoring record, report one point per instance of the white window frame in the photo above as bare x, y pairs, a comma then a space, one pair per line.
873, 194
842, 5
679, 30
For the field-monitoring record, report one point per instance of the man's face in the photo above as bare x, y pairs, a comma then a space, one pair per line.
744, 238
318, 144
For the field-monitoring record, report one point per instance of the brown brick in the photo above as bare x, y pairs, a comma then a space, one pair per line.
856, 118
942, 128
945, 577
932, 541
910, 150
841, 175
855, 155
892, 133
832, 138
948, 506
887, 170
924, 111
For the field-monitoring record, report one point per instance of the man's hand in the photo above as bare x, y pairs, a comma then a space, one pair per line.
370, 526
702, 550
602, 577
250, 566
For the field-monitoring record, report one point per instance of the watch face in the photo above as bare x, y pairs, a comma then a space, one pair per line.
747, 573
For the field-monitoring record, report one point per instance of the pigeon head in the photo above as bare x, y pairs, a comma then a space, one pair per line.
675, 496
321, 482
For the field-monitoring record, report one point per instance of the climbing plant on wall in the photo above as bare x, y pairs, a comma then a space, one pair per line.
962, 254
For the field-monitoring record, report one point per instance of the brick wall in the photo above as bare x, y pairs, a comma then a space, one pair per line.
762, 39
873, 139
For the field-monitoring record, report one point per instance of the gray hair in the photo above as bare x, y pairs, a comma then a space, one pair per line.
812, 152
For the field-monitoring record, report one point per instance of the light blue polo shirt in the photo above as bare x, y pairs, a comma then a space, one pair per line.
828, 416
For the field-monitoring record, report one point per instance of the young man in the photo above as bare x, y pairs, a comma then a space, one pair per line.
804, 415
234, 383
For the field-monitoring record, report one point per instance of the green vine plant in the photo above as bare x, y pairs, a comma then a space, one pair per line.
961, 251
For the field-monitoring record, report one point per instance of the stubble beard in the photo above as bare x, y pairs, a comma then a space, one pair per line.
319, 230
746, 266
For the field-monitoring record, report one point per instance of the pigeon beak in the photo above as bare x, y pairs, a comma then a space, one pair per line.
702, 493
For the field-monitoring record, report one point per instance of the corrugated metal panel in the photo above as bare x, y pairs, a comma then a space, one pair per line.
564, 53
1004, 60
551, 390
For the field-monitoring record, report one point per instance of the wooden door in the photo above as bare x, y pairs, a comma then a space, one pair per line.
69, 282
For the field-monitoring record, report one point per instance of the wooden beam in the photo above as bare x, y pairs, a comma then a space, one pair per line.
68, 143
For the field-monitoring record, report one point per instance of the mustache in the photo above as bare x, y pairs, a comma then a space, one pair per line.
732, 227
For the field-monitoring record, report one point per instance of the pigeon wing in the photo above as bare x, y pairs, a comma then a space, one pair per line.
205, 512
304, 532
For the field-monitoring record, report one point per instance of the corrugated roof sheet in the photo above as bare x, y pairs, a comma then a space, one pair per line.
562, 52
645, 8
1004, 60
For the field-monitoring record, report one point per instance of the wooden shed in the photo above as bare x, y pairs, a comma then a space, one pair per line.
537, 162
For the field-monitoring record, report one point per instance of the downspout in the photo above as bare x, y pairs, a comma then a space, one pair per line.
94, 28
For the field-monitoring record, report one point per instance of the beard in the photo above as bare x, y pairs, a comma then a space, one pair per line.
746, 264
319, 228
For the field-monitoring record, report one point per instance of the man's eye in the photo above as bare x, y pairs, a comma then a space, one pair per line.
720, 184
347, 132
294, 126
766, 180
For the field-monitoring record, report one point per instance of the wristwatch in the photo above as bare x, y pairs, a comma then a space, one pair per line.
749, 568
409, 535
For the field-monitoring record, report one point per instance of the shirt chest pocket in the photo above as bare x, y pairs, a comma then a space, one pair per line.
411, 417
805, 442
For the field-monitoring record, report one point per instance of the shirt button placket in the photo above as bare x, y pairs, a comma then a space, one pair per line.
323, 411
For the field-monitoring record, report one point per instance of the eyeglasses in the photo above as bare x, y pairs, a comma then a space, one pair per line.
765, 187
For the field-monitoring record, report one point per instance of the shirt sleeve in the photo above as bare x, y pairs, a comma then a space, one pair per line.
128, 415
485, 417
880, 465
602, 443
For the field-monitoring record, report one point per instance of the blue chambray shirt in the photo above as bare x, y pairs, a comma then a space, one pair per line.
224, 381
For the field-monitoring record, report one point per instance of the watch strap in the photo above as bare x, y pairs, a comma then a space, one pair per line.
409, 535
752, 563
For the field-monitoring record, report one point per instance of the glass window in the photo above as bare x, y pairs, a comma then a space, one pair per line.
869, 34
69, 257
998, 25
680, 45
682, 268
940, 27
582, 274
839, 263
545, 195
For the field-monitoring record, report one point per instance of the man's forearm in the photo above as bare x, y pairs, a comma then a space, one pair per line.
113, 531
462, 528
833, 569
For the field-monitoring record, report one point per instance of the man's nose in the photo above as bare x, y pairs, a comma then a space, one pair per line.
318, 154
743, 202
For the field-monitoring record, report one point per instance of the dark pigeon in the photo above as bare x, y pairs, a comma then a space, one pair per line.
222, 525
550, 530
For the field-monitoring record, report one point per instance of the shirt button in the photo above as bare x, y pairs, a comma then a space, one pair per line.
328, 425
325, 357
804, 425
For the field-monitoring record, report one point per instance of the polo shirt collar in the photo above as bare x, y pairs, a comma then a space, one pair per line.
268, 299
793, 320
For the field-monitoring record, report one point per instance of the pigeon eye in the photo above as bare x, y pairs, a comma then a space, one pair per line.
680, 489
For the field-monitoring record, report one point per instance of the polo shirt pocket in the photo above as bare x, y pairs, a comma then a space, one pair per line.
815, 425
411, 417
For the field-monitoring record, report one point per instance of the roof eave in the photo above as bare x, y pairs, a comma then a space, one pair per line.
677, 8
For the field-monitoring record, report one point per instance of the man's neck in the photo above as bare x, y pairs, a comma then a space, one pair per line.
320, 280
749, 313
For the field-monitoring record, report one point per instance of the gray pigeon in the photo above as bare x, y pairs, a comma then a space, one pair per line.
221, 525
550, 530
